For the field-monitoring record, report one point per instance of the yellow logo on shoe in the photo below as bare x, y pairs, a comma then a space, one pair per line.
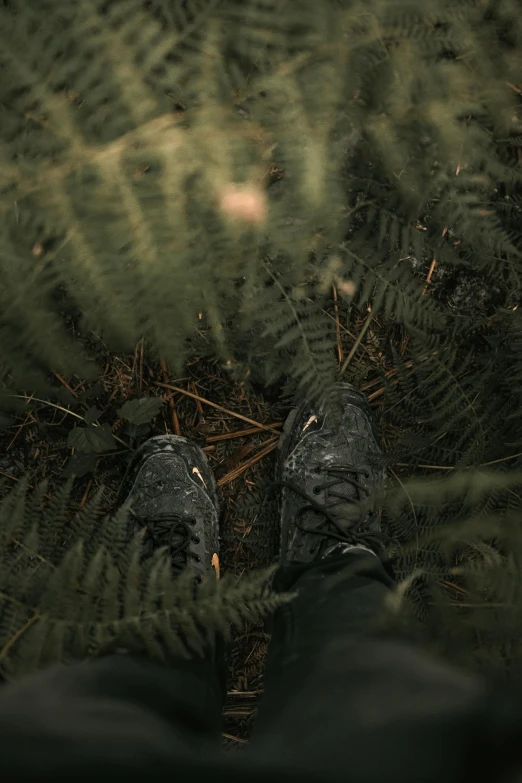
198, 474
309, 422
215, 564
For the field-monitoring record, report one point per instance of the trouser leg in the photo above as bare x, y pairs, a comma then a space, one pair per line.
342, 702
115, 714
347, 702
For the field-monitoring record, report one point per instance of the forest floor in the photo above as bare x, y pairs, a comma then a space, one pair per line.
226, 418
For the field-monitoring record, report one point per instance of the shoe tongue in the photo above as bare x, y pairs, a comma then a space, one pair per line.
176, 539
170, 533
345, 514
343, 510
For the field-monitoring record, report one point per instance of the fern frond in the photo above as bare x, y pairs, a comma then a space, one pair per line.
55, 518
91, 602
389, 287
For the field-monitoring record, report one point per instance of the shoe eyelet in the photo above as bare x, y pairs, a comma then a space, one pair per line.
192, 522
316, 490
195, 539
196, 558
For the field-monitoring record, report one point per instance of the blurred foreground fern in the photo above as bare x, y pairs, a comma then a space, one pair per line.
74, 589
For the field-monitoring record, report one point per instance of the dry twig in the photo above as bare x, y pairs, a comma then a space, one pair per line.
218, 407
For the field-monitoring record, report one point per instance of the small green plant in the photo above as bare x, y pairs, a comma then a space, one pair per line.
96, 438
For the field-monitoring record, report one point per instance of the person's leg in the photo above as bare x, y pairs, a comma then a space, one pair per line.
115, 715
122, 713
344, 699
340, 704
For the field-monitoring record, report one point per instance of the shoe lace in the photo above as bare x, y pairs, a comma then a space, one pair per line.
357, 534
174, 531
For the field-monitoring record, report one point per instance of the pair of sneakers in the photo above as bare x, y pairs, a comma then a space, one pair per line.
327, 471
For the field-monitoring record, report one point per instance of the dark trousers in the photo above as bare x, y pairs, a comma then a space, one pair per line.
342, 702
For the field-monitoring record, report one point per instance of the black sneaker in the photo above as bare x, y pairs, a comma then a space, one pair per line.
327, 462
172, 493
